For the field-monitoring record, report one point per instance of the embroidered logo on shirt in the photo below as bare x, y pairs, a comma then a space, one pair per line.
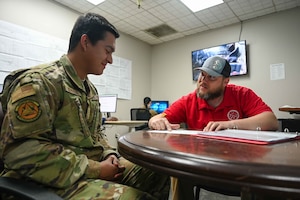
28, 111
233, 114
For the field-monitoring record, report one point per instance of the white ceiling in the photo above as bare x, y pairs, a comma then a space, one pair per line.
129, 19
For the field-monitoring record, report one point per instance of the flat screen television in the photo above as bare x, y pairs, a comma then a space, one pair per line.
234, 52
108, 103
159, 105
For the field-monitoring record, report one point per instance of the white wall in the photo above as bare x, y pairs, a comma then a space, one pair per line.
271, 39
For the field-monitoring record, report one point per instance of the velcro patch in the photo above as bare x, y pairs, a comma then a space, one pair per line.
28, 111
21, 92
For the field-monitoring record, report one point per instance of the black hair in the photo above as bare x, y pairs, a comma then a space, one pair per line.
146, 101
94, 25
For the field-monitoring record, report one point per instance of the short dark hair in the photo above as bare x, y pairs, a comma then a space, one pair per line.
92, 24
147, 100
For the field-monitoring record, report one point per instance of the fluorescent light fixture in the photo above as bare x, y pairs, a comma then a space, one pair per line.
196, 5
95, 2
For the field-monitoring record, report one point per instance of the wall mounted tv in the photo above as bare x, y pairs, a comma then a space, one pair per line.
234, 52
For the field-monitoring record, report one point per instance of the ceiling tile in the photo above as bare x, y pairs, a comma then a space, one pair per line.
133, 20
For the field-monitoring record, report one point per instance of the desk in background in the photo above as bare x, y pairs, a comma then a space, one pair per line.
131, 124
290, 109
290, 125
114, 129
260, 169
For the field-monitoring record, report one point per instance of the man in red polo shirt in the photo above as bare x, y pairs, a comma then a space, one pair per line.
213, 106
217, 105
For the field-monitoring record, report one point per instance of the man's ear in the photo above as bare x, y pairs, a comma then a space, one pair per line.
226, 80
84, 41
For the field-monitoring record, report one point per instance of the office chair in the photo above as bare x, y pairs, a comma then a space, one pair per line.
215, 190
140, 114
22, 189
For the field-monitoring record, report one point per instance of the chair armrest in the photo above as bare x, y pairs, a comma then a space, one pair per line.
26, 190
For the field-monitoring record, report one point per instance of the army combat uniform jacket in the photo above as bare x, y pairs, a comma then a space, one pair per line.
51, 132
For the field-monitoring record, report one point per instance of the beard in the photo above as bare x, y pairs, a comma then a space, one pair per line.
211, 95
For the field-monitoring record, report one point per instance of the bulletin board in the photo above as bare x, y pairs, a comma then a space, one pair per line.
22, 47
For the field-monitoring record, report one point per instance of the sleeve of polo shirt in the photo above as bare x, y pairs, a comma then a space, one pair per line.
176, 113
252, 103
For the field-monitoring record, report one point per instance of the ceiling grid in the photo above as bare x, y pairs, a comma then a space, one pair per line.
131, 20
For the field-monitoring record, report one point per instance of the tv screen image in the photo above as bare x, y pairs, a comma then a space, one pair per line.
235, 53
159, 105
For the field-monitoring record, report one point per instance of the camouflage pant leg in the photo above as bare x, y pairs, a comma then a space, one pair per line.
104, 190
137, 184
158, 185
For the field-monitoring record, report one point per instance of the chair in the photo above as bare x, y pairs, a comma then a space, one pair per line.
215, 190
22, 189
140, 114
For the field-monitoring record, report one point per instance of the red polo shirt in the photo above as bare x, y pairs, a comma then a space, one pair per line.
238, 102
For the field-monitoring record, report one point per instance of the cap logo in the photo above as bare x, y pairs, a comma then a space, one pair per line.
217, 65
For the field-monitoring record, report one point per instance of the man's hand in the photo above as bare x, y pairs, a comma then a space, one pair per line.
111, 169
112, 119
263, 121
219, 125
159, 122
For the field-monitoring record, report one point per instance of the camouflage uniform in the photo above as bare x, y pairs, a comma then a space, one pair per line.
51, 135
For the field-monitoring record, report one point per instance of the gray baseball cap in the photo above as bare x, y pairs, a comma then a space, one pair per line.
216, 66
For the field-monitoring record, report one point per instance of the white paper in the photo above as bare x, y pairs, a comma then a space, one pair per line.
277, 71
266, 136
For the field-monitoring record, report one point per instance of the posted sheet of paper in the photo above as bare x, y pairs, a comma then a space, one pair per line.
277, 71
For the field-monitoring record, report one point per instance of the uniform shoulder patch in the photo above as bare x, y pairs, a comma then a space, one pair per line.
21, 92
28, 111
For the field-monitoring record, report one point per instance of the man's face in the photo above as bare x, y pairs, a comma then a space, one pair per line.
210, 87
98, 55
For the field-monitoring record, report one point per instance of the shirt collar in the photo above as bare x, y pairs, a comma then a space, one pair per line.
71, 72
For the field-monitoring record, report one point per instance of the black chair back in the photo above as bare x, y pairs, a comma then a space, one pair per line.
1, 115
140, 114
1, 120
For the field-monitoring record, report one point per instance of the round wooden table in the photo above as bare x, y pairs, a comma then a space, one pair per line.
260, 169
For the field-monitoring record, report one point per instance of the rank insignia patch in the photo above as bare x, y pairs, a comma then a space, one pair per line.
28, 111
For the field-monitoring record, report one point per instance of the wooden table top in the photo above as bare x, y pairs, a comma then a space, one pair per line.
291, 110
238, 166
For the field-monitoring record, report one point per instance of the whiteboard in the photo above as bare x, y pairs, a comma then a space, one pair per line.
22, 47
